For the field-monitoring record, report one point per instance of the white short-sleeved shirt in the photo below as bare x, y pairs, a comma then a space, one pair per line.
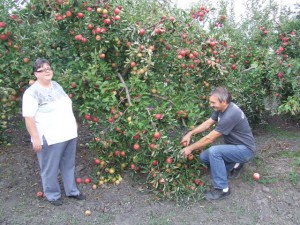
52, 112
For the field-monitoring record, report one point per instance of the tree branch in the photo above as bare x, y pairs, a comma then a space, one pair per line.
125, 86
183, 122
163, 98
251, 68
152, 123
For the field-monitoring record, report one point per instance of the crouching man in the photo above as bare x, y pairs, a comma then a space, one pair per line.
225, 160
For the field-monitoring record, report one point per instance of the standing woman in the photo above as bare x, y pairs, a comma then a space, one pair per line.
50, 121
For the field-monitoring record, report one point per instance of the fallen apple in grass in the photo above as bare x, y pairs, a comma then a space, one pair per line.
78, 180
40, 194
256, 176
88, 212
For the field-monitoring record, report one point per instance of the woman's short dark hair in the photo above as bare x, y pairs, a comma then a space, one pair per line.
39, 63
222, 93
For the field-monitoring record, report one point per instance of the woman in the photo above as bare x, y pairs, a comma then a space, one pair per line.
52, 126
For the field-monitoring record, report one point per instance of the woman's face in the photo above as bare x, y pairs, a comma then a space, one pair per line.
44, 73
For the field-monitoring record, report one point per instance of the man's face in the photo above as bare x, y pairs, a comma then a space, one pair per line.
216, 105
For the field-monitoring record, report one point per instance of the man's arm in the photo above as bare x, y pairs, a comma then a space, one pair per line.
201, 128
206, 140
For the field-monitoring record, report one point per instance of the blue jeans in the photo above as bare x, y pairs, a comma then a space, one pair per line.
222, 158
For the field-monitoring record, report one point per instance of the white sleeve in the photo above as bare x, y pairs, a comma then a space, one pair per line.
29, 104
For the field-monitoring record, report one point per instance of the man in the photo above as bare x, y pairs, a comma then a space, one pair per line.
238, 147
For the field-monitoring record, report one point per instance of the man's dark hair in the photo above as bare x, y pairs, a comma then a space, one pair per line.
39, 63
222, 93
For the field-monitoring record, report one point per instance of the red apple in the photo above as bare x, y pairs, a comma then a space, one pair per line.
142, 32
107, 21
280, 75
117, 11
256, 176
2, 24
97, 161
152, 146
156, 135
158, 116
78, 37
136, 146
68, 13
40, 194
169, 160
154, 163
87, 116
98, 38
78, 180
3, 37
87, 180
80, 15
190, 156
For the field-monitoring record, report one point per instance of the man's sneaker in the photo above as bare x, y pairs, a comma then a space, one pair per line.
56, 202
216, 194
236, 172
78, 197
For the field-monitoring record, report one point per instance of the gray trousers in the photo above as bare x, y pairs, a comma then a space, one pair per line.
52, 158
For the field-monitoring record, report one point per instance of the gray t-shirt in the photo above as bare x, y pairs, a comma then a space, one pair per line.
234, 127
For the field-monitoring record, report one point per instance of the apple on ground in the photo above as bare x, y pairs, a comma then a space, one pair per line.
40, 194
158, 116
256, 176
78, 180
97, 161
142, 32
88, 212
87, 180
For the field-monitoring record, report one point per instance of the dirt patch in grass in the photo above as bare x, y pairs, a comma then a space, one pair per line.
275, 199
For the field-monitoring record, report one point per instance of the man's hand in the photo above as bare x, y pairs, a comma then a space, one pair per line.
185, 141
186, 151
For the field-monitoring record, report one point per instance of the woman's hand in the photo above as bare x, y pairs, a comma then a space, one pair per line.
36, 145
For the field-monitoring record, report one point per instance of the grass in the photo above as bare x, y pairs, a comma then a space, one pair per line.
281, 133
106, 218
236, 209
2, 215
294, 178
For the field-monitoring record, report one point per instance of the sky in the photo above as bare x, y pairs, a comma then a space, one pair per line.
238, 4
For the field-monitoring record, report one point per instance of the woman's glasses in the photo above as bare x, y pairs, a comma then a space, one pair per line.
44, 70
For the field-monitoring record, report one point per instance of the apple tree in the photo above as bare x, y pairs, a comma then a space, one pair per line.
140, 73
